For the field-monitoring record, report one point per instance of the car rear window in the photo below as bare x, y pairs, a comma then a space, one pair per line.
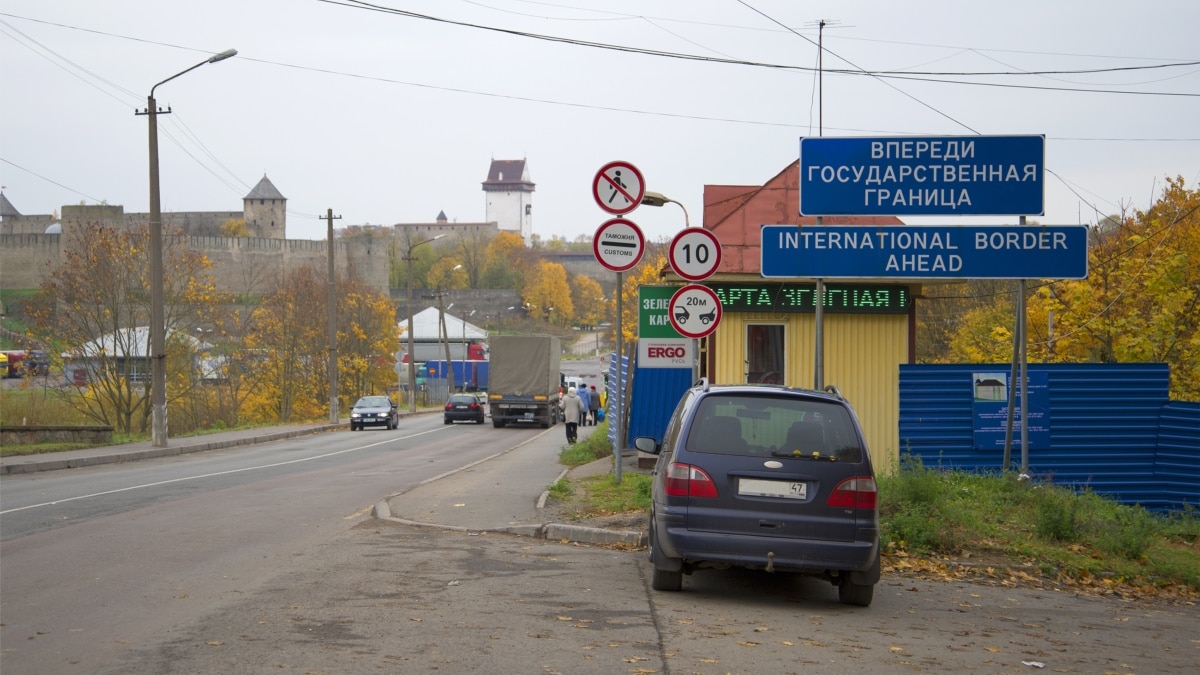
780, 426
463, 398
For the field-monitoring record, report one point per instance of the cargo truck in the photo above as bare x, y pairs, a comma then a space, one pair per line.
524, 380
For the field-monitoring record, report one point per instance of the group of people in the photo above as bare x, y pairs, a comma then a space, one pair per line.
580, 408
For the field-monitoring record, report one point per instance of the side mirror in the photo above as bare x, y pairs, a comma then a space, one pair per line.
647, 444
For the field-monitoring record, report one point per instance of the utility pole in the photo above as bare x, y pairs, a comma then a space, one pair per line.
332, 302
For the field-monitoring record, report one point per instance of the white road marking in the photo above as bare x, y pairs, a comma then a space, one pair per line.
218, 473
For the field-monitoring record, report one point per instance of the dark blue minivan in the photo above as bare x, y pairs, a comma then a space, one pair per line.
764, 477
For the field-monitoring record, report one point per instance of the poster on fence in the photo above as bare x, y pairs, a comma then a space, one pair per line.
990, 410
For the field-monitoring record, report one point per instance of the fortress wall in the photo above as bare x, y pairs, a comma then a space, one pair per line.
25, 259
26, 224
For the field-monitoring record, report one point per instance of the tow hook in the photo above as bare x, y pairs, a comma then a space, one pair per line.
770, 561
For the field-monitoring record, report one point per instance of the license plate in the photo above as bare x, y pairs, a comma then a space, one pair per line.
754, 487
528, 415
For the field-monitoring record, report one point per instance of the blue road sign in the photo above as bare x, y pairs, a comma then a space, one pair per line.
925, 252
925, 176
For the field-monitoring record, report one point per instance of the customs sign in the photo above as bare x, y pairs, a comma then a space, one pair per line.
922, 176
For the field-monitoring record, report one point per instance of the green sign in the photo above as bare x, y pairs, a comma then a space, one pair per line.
654, 305
839, 298
654, 301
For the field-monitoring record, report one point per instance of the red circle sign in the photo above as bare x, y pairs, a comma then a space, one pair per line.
618, 244
618, 188
695, 253
695, 311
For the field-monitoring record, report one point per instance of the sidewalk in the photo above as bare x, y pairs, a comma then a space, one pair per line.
505, 493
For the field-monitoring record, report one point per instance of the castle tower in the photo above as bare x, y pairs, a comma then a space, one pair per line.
265, 211
509, 194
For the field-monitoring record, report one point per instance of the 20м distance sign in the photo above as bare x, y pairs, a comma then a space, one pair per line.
918, 252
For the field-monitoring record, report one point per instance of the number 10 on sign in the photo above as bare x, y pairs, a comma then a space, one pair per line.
695, 254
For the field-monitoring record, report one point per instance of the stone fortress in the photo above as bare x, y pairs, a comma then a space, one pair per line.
32, 245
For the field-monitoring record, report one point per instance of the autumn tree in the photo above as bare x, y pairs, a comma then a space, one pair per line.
290, 334
98, 306
647, 272
588, 299
507, 261
945, 310
235, 227
471, 249
1141, 300
367, 336
547, 295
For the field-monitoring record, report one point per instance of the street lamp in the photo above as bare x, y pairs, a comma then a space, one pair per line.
412, 361
659, 199
158, 326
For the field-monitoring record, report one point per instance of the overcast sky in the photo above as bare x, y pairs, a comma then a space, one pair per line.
387, 118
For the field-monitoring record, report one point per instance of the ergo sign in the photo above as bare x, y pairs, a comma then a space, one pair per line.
665, 353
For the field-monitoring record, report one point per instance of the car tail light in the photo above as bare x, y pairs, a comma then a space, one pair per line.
856, 492
685, 480
474, 406
449, 406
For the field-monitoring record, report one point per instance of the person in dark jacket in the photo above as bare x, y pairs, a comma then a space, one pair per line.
593, 405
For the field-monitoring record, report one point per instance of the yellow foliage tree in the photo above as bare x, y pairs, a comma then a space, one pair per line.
547, 295
588, 298
506, 262
290, 333
235, 227
96, 299
367, 338
647, 272
1141, 300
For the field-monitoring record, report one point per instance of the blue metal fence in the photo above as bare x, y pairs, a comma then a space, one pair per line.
1111, 428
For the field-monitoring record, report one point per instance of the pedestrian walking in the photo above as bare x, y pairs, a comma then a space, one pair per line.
593, 405
571, 407
583, 406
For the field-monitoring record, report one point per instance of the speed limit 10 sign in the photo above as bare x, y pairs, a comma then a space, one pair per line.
695, 254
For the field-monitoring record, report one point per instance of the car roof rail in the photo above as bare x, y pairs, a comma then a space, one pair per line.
835, 391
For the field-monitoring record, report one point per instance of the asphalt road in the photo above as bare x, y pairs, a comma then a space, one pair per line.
266, 559
100, 560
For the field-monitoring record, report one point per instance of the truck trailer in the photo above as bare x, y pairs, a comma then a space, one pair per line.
524, 380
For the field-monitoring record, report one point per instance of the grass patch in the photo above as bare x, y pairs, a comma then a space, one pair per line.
1083, 538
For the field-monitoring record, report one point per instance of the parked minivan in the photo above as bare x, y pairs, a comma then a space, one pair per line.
764, 477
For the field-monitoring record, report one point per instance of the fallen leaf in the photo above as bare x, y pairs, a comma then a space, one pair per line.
214, 643
747, 643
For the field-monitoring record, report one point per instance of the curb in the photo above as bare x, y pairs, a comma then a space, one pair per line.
548, 531
152, 453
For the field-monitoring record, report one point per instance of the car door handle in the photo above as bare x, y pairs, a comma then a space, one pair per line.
770, 525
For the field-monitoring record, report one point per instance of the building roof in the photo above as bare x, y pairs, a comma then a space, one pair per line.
508, 174
6, 208
426, 329
265, 190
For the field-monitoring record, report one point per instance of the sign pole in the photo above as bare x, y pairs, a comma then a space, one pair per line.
819, 330
619, 445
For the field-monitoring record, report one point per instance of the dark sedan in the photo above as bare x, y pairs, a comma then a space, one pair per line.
464, 408
374, 411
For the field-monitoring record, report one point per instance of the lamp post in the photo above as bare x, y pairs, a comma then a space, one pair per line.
659, 199
158, 327
412, 361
